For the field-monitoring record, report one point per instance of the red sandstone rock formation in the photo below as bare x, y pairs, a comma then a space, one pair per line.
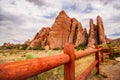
66, 29
41, 38
101, 33
92, 40
73, 31
77, 33
59, 33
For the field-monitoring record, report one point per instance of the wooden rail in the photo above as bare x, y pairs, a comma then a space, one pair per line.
24, 69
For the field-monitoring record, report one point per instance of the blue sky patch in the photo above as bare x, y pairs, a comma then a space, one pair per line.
88, 9
51, 16
70, 7
115, 34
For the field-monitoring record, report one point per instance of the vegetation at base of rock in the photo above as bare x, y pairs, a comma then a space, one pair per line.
80, 47
57, 49
37, 48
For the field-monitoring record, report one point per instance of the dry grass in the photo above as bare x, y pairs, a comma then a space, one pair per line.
54, 74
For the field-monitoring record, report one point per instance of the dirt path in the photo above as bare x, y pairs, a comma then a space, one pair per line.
109, 70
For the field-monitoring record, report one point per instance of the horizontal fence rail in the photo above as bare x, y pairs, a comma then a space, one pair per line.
25, 69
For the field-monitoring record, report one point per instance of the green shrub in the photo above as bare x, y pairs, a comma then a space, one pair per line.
80, 47
23, 46
37, 48
30, 55
113, 56
57, 49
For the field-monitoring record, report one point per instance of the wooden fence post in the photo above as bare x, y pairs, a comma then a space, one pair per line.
101, 53
69, 68
97, 58
110, 52
102, 58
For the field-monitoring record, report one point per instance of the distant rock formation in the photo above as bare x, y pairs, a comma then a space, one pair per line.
8, 44
66, 29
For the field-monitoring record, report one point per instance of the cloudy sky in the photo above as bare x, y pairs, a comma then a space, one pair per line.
21, 19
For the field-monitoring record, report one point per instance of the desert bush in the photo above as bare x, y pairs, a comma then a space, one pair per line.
80, 47
30, 55
113, 56
57, 48
23, 46
116, 53
37, 48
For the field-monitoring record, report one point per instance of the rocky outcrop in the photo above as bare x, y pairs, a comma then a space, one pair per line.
101, 33
60, 30
41, 38
77, 33
73, 31
92, 40
81, 33
66, 29
96, 33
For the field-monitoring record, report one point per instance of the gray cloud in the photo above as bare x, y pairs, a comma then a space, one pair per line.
38, 2
7, 18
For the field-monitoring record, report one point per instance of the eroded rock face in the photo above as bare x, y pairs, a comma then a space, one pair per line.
101, 33
92, 40
80, 37
59, 33
41, 38
77, 33
73, 31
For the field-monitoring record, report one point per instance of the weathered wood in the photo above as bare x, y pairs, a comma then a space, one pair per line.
24, 69
110, 52
85, 53
69, 68
102, 56
97, 59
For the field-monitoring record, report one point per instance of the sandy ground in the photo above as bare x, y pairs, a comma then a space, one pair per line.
109, 70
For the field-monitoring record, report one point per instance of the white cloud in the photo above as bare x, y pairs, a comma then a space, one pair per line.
21, 19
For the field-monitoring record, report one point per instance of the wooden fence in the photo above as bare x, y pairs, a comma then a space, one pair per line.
25, 69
